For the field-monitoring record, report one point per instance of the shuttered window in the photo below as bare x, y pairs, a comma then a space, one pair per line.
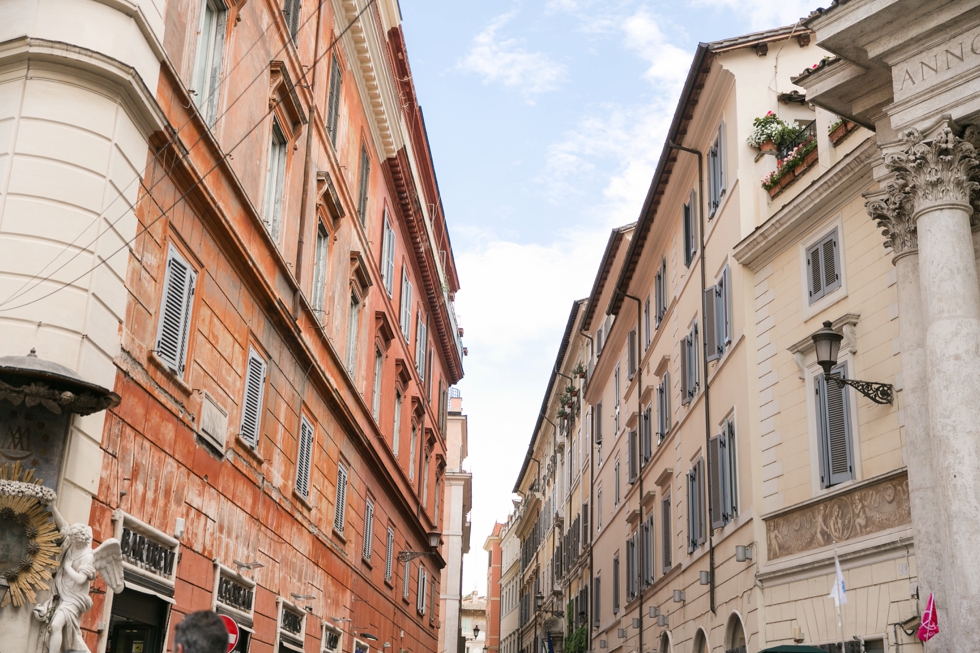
663, 408
690, 230
660, 293
420, 591
665, 529
630, 567
208, 58
363, 184
304, 460
389, 553
598, 423
411, 453
717, 317
647, 330
333, 100
834, 425
368, 530
175, 312
340, 500
397, 429
721, 470
353, 324
320, 271
596, 601
615, 584
420, 342
646, 434
823, 266
690, 366
616, 483
379, 360
695, 506
406, 577
388, 256
275, 181
647, 551
616, 406
405, 314
631, 351
634, 457
716, 172
291, 12
252, 401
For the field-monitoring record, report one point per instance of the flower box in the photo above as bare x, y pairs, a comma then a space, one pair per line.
768, 146
841, 131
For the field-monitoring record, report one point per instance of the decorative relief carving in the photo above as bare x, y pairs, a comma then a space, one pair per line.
936, 171
863, 511
893, 213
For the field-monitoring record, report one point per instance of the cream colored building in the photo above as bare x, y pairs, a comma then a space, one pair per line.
510, 577
457, 501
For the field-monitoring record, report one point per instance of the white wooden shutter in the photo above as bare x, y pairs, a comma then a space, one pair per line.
406, 576
252, 401
389, 553
420, 590
175, 311
305, 458
710, 305
340, 500
368, 530
221, 18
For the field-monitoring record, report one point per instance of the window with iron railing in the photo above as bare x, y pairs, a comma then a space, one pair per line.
809, 131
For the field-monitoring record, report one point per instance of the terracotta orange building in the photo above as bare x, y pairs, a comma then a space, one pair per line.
494, 560
288, 341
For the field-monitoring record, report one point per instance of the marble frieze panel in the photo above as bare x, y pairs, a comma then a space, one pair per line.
865, 510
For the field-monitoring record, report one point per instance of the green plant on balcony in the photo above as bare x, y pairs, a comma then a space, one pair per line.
796, 158
562, 413
578, 641
770, 132
579, 371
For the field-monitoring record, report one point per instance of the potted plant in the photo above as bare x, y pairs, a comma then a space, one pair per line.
562, 413
770, 132
571, 391
579, 371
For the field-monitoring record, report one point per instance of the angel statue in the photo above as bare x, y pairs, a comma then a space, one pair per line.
70, 600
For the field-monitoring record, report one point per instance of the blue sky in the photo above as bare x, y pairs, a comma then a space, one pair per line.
546, 120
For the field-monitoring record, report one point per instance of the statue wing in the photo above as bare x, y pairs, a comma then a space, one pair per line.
107, 560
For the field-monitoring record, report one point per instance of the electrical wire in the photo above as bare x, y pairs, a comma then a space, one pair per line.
164, 212
163, 148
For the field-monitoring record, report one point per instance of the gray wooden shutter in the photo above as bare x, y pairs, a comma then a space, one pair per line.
252, 401
368, 529
175, 312
665, 528
685, 361
716, 482
731, 502
333, 102
596, 605
699, 485
722, 182
597, 416
688, 233
633, 457
835, 429
830, 255
692, 537
724, 310
211, 113
362, 191
389, 552
305, 458
711, 323
340, 500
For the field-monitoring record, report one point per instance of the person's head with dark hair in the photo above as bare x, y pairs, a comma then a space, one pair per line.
201, 632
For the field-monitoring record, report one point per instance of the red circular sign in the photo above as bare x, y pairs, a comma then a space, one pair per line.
233, 631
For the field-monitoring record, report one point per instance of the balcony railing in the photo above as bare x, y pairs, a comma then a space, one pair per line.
805, 134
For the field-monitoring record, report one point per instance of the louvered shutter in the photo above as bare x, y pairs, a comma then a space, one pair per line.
646, 323
724, 310
711, 323
598, 423
666, 528
175, 311
632, 457
631, 353
830, 255
390, 264
406, 578
368, 530
389, 553
731, 498
385, 238
333, 102
701, 503
836, 429
688, 234
666, 384
692, 537
305, 458
363, 182
596, 605
722, 182
252, 401
215, 73
685, 361
340, 500
647, 439
716, 482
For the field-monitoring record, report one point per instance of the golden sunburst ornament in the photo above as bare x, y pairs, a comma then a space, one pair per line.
28, 538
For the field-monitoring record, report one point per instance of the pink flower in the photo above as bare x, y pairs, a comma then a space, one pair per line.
815, 65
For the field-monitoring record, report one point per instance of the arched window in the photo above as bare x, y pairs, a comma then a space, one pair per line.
735, 640
700, 642
664, 643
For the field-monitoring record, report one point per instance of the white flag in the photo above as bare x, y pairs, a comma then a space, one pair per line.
838, 591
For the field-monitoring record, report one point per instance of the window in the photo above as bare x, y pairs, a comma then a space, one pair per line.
633, 459
616, 483
823, 266
406, 575
660, 293
275, 181
695, 506
598, 509
596, 595
396, 437
598, 423
290, 11
435, 502
616, 390
665, 528
663, 408
330, 641
834, 429
207, 60
716, 172
646, 434
420, 345
368, 530
722, 468
304, 459
690, 361
362, 184
718, 317
615, 584
646, 547
389, 553
379, 361
411, 454
255, 374
320, 270
333, 100
175, 312
353, 320
425, 480
388, 256
405, 315
420, 599
598, 342
647, 332
690, 230
631, 569
631, 353
340, 500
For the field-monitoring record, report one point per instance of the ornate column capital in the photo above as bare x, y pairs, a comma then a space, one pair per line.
940, 170
892, 210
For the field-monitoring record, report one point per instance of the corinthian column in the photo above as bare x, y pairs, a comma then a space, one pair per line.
892, 209
937, 175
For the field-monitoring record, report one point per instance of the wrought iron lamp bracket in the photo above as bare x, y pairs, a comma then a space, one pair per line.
880, 393
408, 556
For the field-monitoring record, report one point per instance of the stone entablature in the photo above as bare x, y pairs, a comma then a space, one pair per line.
864, 509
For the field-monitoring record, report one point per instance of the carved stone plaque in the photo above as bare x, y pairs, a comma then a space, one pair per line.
862, 511
35, 437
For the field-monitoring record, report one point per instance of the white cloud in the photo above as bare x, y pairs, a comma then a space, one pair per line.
764, 14
505, 60
668, 63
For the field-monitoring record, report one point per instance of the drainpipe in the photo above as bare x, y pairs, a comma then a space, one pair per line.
590, 614
704, 365
307, 164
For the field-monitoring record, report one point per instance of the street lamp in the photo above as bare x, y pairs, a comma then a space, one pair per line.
434, 537
476, 632
826, 341
539, 604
